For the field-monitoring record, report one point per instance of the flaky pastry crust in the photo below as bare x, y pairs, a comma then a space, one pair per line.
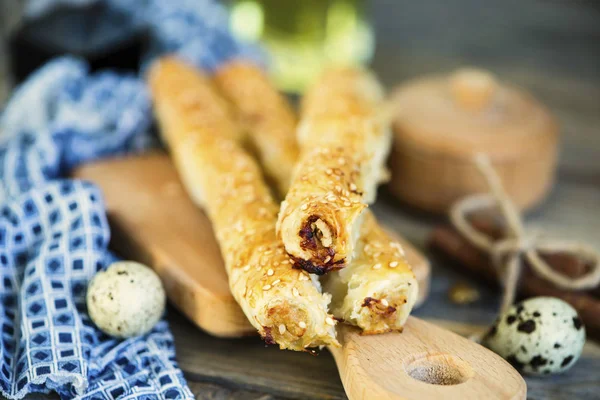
285, 305
344, 138
263, 113
378, 289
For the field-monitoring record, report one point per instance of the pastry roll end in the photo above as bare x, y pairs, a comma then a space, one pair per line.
377, 291
370, 307
316, 235
281, 302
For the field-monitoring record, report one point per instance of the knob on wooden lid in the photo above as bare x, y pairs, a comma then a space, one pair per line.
440, 122
473, 88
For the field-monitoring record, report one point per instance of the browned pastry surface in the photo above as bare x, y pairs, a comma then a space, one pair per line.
265, 115
344, 139
377, 290
285, 305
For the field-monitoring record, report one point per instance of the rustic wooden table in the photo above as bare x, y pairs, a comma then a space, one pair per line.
549, 47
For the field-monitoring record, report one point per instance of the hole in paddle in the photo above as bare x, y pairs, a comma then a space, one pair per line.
439, 369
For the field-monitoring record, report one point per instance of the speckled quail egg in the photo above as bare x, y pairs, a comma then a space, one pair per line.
538, 336
125, 300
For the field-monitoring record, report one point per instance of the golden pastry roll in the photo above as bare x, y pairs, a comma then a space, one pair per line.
285, 305
378, 289
344, 138
263, 113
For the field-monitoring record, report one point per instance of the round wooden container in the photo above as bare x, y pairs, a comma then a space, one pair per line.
441, 122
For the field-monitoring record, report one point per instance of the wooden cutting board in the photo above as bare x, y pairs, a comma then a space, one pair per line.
154, 222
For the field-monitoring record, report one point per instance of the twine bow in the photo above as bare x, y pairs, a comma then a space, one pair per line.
508, 254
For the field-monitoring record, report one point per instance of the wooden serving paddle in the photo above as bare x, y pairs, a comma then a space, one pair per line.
154, 222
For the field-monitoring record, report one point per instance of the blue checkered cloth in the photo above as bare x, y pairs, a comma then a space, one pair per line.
197, 30
54, 236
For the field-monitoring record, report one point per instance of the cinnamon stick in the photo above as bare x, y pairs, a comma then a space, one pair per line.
453, 244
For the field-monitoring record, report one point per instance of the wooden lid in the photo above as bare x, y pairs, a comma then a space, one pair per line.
470, 111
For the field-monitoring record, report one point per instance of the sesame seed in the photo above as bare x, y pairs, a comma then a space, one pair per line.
250, 292
384, 302
281, 329
266, 253
347, 203
328, 171
275, 263
303, 277
266, 287
330, 321
338, 188
327, 259
270, 272
285, 262
304, 207
276, 281
302, 324
295, 292
246, 268
377, 266
341, 161
393, 264
331, 197
352, 187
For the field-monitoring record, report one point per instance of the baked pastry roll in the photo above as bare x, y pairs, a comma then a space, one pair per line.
285, 305
344, 138
262, 112
378, 289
